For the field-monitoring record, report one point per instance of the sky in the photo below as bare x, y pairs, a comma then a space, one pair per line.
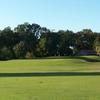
54, 14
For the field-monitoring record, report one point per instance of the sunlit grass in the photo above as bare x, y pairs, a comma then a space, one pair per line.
50, 65
50, 88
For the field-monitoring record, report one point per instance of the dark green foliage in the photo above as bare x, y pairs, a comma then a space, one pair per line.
67, 40
32, 40
5, 54
97, 44
85, 39
20, 50
29, 55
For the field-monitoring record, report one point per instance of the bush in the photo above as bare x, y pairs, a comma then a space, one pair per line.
29, 55
20, 50
5, 54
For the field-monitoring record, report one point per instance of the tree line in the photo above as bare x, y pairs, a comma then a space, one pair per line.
27, 41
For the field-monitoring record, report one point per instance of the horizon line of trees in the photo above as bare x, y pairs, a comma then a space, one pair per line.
29, 41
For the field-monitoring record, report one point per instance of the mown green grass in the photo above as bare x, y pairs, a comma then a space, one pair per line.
50, 65
50, 88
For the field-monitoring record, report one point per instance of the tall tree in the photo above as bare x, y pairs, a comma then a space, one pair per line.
66, 41
7, 39
85, 39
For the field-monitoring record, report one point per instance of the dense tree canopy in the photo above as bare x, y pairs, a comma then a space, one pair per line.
32, 40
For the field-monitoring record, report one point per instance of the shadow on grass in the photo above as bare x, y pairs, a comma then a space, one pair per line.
50, 74
85, 58
88, 59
